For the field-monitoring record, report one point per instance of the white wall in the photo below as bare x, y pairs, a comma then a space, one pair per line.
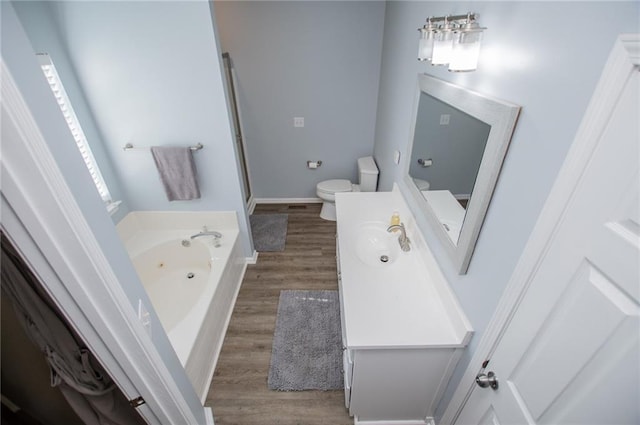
315, 59
544, 56
152, 76
19, 57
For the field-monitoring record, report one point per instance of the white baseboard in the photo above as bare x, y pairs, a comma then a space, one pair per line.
253, 259
288, 200
251, 205
208, 415
426, 421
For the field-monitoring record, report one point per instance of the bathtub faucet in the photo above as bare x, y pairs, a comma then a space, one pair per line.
207, 233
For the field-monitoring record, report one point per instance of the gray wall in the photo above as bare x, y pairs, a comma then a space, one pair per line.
529, 57
151, 73
455, 148
317, 60
37, 19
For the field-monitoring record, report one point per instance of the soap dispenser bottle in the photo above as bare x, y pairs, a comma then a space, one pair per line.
395, 219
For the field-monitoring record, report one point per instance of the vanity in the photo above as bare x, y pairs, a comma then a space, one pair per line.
402, 328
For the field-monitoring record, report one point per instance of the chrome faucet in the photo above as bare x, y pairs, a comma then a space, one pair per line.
207, 232
403, 240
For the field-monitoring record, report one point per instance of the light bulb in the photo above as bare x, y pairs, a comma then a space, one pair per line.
442, 44
465, 51
425, 46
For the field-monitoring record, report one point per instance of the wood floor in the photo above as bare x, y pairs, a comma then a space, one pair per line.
238, 392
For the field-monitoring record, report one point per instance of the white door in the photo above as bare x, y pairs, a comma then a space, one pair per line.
570, 353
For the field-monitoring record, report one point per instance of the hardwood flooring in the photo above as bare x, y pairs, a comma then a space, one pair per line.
238, 393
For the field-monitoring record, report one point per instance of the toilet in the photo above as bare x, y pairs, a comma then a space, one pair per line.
422, 184
326, 190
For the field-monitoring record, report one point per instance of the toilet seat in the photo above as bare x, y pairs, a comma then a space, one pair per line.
422, 184
328, 188
367, 182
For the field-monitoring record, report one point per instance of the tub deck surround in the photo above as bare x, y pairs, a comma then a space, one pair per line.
407, 303
403, 329
153, 241
137, 221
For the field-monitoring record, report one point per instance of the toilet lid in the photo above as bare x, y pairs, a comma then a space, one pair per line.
333, 186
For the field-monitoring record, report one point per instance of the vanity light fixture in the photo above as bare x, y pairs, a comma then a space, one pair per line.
455, 41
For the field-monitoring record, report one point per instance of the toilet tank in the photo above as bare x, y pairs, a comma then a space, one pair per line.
368, 174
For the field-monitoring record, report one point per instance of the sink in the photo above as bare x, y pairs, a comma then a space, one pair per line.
375, 246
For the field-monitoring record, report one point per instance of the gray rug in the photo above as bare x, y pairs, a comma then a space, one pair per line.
269, 231
307, 346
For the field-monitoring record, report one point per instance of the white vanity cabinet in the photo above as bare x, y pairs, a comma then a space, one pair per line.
397, 383
402, 329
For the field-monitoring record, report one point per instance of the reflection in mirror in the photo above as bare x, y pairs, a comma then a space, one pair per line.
447, 150
460, 139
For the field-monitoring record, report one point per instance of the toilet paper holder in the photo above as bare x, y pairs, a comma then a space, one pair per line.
313, 164
425, 162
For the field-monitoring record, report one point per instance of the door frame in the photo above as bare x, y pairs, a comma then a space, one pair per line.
623, 60
42, 218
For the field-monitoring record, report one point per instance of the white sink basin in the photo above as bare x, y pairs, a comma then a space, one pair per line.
375, 246
405, 302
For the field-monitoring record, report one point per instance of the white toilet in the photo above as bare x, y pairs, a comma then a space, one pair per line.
326, 190
422, 184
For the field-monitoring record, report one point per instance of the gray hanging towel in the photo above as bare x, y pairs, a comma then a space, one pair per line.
88, 389
177, 172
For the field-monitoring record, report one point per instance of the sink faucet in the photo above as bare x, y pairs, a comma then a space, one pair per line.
403, 240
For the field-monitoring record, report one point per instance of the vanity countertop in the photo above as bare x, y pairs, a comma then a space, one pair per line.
403, 303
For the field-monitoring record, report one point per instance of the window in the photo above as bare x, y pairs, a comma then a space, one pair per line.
76, 130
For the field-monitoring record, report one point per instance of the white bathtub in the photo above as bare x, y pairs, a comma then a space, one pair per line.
193, 288
175, 277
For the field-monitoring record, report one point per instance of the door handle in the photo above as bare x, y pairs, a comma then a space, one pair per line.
488, 380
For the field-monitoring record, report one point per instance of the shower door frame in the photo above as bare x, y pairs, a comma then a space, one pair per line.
241, 148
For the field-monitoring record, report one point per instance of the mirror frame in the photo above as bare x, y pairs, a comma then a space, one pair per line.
502, 117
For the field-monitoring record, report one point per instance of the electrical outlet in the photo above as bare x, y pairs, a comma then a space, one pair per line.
298, 121
444, 119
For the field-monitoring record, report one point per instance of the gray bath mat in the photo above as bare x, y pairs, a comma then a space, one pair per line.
269, 231
307, 346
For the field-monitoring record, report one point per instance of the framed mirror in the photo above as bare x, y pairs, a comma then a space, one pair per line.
459, 141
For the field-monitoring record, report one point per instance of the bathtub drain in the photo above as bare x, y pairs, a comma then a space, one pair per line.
190, 275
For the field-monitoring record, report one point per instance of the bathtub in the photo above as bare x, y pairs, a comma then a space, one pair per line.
192, 283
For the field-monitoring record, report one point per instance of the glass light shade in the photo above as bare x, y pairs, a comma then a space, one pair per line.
442, 45
425, 47
465, 51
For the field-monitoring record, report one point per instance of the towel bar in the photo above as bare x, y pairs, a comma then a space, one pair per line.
130, 146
